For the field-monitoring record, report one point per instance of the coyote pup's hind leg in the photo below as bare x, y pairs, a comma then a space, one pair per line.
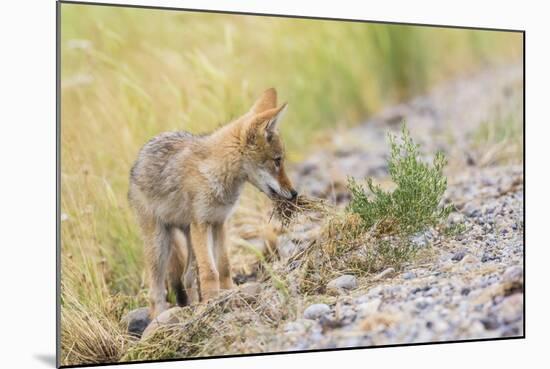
178, 262
190, 277
157, 253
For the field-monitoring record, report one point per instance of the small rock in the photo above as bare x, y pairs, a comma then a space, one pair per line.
511, 308
342, 283
488, 257
421, 289
384, 274
440, 326
408, 275
421, 239
240, 278
375, 291
136, 321
251, 289
488, 182
169, 316
471, 210
455, 218
459, 255
513, 274
307, 168
470, 161
469, 259
423, 302
510, 331
490, 323
315, 311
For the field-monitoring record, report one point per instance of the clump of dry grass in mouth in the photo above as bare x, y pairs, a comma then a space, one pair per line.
286, 211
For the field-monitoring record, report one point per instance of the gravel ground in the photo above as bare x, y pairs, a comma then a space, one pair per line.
474, 287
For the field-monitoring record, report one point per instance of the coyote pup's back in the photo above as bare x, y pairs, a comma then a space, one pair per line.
156, 177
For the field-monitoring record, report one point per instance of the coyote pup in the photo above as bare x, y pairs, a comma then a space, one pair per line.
183, 187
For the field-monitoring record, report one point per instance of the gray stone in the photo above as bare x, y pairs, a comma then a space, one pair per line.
423, 302
455, 218
169, 316
469, 259
136, 321
459, 255
422, 239
385, 273
315, 311
511, 308
471, 210
251, 289
343, 283
513, 274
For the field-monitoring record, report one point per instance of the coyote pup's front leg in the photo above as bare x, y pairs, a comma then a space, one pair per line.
222, 256
202, 241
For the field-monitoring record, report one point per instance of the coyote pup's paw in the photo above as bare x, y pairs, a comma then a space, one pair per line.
210, 289
210, 295
227, 284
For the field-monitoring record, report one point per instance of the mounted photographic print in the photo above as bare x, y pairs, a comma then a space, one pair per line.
243, 184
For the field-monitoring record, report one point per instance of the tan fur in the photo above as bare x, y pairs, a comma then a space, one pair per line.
183, 188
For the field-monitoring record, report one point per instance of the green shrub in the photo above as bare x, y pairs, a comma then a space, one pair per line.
414, 204
374, 232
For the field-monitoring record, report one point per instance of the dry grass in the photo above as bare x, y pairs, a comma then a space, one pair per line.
234, 323
345, 246
499, 139
89, 335
288, 210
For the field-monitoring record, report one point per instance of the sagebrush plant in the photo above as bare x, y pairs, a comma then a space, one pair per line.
415, 202
374, 232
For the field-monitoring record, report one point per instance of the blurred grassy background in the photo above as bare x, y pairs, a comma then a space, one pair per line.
129, 74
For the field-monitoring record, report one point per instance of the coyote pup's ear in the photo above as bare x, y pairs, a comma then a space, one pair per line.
265, 123
274, 121
267, 101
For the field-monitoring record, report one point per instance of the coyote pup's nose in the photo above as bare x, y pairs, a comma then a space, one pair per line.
294, 194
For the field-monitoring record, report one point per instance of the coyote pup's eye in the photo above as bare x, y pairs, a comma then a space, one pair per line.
277, 162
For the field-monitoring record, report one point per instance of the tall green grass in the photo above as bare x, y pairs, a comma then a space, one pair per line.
128, 74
